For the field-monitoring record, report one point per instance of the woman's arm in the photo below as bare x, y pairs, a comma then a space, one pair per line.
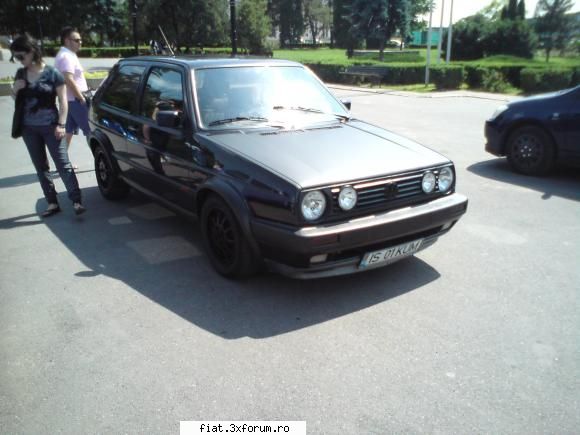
62, 111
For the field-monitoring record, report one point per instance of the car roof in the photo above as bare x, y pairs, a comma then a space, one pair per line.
194, 62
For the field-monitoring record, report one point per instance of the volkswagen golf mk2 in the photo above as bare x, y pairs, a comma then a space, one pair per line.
272, 165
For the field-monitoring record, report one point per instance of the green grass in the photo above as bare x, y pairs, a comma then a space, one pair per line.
337, 56
96, 75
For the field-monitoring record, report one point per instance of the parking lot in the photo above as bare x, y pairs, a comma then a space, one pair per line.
115, 322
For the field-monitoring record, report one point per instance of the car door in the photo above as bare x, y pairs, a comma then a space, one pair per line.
160, 152
571, 124
116, 108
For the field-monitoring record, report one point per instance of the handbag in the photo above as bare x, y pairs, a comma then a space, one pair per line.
18, 116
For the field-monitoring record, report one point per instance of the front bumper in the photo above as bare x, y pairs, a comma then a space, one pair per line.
494, 139
289, 250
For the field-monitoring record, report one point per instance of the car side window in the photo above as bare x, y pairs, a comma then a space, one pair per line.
123, 88
163, 91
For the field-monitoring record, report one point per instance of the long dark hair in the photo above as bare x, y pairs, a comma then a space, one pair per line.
28, 45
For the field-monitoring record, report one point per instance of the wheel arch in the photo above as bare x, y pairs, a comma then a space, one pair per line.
235, 201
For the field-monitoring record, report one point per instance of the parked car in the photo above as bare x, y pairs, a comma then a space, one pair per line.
536, 133
270, 163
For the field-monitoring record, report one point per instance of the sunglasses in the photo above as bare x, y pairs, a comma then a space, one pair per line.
19, 57
78, 41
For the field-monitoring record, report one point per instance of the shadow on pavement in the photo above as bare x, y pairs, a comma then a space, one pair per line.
563, 182
20, 221
18, 180
162, 259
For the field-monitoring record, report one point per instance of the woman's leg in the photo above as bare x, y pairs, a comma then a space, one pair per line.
33, 138
58, 151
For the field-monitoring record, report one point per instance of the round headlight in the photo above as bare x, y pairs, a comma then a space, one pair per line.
428, 183
313, 205
347, 198
445, 179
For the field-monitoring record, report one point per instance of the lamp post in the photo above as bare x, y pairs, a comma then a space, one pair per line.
133, 6
38, 8
234, 34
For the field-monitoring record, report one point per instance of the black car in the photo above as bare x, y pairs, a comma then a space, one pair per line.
271, 164
536, 133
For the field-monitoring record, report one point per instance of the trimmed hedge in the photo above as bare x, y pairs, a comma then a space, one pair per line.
52, 50
545, 80
447, 77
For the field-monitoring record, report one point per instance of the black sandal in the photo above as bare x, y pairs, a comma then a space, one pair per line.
52, 209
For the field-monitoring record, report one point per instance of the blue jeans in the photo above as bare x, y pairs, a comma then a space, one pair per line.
37, 139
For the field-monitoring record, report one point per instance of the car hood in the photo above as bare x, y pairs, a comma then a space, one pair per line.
331, 154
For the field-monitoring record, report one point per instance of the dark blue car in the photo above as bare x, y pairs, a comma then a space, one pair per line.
536, 133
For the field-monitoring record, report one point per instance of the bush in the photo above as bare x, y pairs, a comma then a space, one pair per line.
474, 76
534, 80
447, 77
494, 81
404, 75
327, 73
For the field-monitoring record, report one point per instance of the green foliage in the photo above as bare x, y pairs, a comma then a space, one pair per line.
288, 16
187, 23
545, 80
341, 25
514, 37
447, 77
317, 16
553, 24
253, 25
467, 38
380, 19
493, 81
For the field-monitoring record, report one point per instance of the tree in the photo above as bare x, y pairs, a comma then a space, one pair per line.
186, 22
341, 24
316, 16
467, 37
514, 37
493, 10
521, 15
253, 25
380, 19
290, 19
553, 24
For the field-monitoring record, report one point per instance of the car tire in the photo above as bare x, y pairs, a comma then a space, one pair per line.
108, 180
225, 243
531, 151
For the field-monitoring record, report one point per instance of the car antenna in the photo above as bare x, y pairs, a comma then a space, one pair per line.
167, 44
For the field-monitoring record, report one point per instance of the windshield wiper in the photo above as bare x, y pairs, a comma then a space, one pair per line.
236, 119
312, 110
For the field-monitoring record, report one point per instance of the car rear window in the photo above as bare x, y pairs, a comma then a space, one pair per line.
123, 88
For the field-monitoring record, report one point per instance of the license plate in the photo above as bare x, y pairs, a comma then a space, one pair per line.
391, 254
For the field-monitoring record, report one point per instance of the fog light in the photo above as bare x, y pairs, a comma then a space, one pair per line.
321, 258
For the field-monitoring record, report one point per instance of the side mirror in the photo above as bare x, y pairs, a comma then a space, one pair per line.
168, 118
346, 103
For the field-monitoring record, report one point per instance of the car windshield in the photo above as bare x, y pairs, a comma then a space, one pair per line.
255, 96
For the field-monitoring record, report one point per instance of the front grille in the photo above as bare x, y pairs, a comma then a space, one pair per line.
389, 191
384, 194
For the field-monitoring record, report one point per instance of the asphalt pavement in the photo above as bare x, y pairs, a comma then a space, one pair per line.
114, 322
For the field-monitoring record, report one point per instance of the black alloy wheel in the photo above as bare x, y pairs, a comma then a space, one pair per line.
110, 185
224, 241
530, 151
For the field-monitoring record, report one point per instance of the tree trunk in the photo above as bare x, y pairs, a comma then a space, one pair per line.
382, 48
